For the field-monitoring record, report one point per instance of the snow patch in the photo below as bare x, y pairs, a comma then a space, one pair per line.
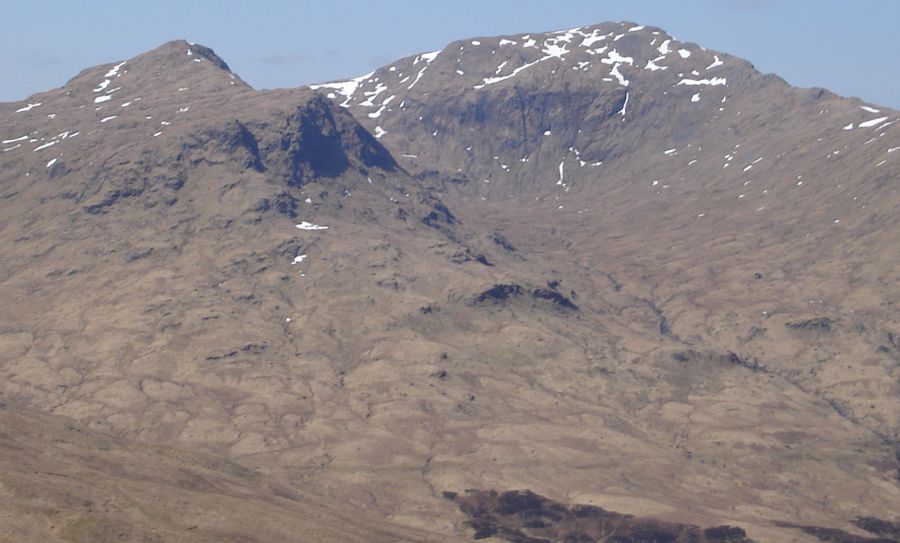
624, 105
384, 106
345, 88
29, 107
873, 122
492, 80
551, 49
664, 48
114, 71
713, 82
428, 58
562, 175
304, 225
592, 38
653, 66
44, 146
618, 75
614, 57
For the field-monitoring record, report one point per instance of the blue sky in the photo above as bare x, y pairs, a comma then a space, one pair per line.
847, 46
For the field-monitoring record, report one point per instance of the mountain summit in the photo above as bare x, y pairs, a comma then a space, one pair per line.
519, 109
595, 284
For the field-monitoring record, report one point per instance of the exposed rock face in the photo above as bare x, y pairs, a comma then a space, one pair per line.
600, 264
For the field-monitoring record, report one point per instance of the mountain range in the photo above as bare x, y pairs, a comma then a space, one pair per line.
597, 284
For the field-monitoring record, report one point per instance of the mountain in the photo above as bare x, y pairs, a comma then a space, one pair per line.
594, 274
515, 109
170, 269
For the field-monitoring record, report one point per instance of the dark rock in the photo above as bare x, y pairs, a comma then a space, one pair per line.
835, 535
498, 238
499, 293
736, 360
525, 503
282, 203
555, 297
724, 533
481, 259
440, 214
240, 143
461, 257
878, 526
521, 516
139, 254
820, 324
653, 537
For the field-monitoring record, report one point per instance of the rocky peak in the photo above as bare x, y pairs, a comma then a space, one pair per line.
613, 55
519, 105
175, 72
177, 52
177, 64
135, 130
552, 114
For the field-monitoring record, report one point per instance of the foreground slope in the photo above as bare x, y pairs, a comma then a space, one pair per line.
63, 482
604, 321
